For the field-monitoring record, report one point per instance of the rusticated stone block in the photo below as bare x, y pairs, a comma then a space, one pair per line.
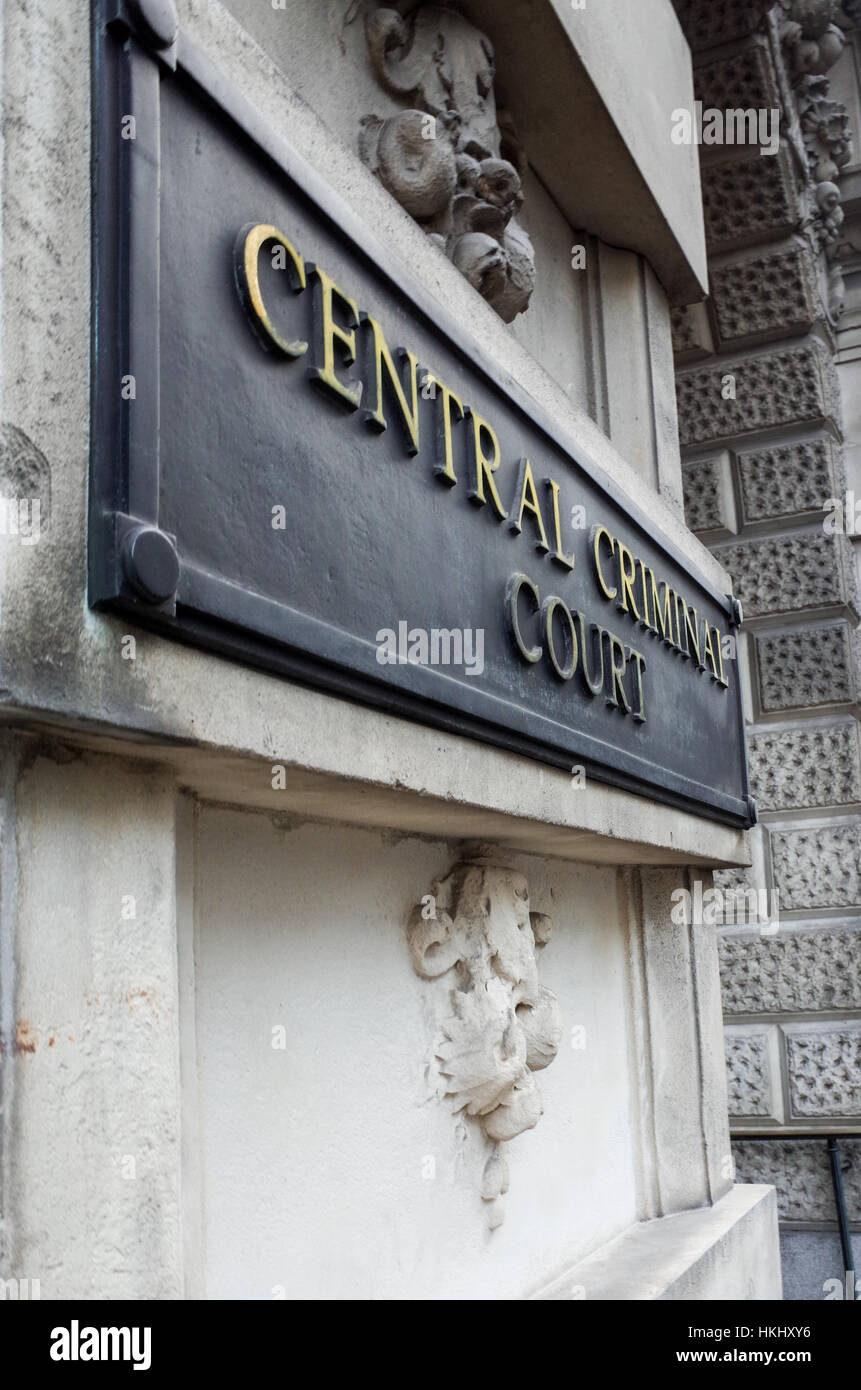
709, 503
824, 1069
752, 1069
790, 573
800, 1169
805, 767
746, 80
818, 867
738, 397
692, 337
765, 296
806, 667
804, 971
747, 198
787, 479
709, 22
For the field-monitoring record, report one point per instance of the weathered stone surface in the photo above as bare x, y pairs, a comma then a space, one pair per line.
25, 474
756, 393
819, 867
744, 80
791, 972
707, 487
800, 1169
789, 573
746, 199
692, 337
824, 1070
787, 479
805, 767
806, 667
748, 1073
772, 295
708, 22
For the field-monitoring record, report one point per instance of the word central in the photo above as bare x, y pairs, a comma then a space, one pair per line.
390, 387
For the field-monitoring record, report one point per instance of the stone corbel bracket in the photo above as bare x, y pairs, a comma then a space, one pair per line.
476, 927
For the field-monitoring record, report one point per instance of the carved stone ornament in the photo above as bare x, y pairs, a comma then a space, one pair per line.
811, 35
502, 1024
451, 159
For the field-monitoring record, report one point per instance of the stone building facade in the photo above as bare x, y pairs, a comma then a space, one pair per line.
299, 996
764, 472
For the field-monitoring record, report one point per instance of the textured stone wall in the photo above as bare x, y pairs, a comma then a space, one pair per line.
760, 421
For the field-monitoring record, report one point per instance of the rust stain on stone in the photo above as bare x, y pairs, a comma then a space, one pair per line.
24, 1040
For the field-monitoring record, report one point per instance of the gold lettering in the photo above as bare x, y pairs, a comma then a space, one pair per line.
409, 411
482, 466
328, 333
597, 533
690, 630
594, 686
646, 618
446, 470
709, 651
557, 554
528, 499
640, 665
721, 678
512, 595
626, 580
617, 690
548, 608
663, 614
249, 244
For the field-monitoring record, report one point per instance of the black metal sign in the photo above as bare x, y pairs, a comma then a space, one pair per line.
301, 461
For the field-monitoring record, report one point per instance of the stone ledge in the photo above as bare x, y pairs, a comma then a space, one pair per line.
693, 1255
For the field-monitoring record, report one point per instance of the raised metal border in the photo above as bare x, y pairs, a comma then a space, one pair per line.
128, 68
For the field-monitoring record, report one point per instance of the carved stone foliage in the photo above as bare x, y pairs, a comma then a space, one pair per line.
807, 667
777, 388
451, 160
824, 1070
800, 1169
818, 867
787, 479
503, 1025
805, 767
800, 971
825, 129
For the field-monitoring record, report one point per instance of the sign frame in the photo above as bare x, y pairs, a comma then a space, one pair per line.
137, 568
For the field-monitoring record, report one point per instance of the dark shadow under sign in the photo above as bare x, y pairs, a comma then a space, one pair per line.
301, 461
